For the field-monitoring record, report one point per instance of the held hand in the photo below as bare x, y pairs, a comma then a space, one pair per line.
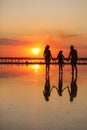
67, 59
53, 59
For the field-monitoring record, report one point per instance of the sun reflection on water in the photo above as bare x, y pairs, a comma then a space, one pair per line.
36, 67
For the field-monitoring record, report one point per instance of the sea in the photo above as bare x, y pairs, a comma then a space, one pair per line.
31, 99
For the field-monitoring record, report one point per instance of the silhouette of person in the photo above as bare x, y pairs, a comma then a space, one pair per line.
73, 87
47, 89
47, 55
74, 57
60, 59
60, 88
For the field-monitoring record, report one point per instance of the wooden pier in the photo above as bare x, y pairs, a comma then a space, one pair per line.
27, 60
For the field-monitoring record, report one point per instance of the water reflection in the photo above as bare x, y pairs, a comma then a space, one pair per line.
36, 67
60, 88
71, 88
47, 88
23, 94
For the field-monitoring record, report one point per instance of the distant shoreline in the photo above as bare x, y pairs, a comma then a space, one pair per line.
28, 60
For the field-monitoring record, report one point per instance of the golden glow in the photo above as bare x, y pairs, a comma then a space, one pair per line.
36, 66
36, 51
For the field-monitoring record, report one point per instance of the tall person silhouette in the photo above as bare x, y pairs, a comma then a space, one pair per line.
47, 55
73, 55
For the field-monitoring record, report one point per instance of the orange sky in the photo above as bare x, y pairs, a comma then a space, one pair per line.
29, 24
24, 46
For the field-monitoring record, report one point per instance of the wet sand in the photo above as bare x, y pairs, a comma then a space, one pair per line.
23, 105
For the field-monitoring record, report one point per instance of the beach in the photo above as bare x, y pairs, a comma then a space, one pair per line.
23, 105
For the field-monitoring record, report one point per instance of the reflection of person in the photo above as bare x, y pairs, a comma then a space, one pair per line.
60, 88
60, 59
48, 56
47, 90
74, 57
73, 88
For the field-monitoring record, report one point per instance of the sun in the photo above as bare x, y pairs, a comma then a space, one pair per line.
36, 51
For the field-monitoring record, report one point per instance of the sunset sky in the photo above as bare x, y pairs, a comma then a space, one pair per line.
29, 24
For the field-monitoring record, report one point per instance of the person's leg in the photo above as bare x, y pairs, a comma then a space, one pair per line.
48, 67
75, 68
72, 68
59, 68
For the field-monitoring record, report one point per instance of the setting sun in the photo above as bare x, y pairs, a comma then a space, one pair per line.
36, 51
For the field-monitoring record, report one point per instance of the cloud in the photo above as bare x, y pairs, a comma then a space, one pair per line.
15, 42
69, 35
7, 41
59, 37
55, 37
8, 74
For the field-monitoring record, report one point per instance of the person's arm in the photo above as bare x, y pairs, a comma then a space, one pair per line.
69, 55
51, 56
55, 58
65, 58
64, 89
52, 88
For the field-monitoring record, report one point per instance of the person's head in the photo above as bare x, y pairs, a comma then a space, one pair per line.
47, 47
71, 47
60, 93
71, 99
47, 98
60, 52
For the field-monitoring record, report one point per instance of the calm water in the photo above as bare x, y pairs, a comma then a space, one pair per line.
23, 105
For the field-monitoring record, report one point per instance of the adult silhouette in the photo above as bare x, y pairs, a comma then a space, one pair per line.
73, 55
47, 55
73, 87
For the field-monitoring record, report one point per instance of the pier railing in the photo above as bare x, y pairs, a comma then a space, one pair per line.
27, 60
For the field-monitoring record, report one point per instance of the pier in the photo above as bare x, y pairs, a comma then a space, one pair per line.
27, 60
